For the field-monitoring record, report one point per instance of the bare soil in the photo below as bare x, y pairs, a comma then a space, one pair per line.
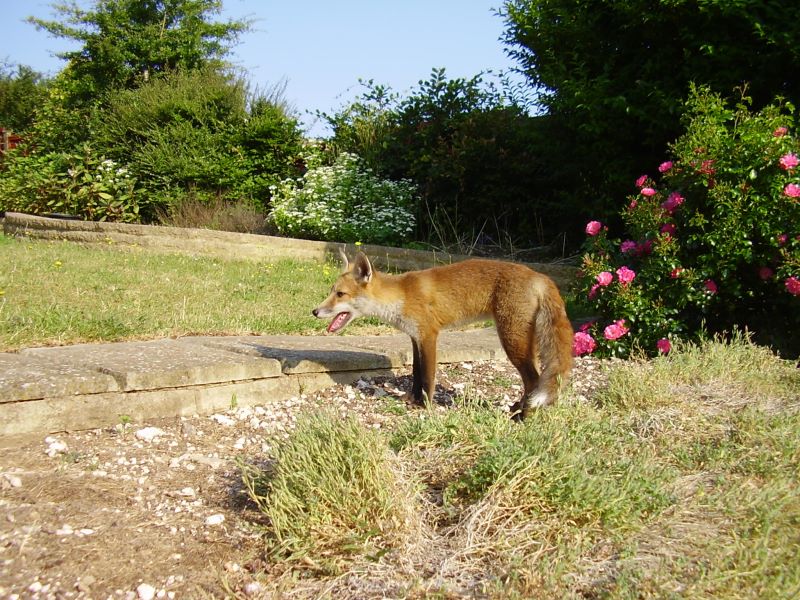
158, 510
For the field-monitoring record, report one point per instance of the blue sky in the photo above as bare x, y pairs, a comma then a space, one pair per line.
321, 47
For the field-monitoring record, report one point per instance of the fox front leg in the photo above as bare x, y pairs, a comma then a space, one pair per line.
423, 371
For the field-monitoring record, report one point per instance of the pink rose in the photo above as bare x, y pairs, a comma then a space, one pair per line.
604, 278
634, 203
627, 246
765, 273
582, 343
641, 181
793, 285
673, 201
593, 227
710, 285
782, 239
792, 190
625, 275
669, 229
647, 191
780, 132
587, 325
788, 161
593, 291
676, 272
616, 330
665, 166
663, 345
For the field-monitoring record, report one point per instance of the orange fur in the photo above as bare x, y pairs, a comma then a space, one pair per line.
525, 305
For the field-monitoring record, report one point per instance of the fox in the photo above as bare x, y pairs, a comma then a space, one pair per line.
526, 307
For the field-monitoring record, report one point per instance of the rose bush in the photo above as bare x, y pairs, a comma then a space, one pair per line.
712, 243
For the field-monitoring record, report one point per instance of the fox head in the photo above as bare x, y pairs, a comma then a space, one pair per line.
348, 298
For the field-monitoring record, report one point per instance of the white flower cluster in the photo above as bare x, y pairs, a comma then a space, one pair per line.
344, 202
112, 175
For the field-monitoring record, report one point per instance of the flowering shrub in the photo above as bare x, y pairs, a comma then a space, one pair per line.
95, 189
344, 202
712, 241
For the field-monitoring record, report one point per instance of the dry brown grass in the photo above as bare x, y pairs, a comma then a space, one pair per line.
215, 213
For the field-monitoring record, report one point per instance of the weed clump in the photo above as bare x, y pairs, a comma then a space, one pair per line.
334, 493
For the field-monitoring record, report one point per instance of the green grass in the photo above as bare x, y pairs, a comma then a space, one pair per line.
680, 479
54, 292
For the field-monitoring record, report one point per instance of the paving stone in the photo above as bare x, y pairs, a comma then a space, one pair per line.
298, 354
161, 363
27, 377
95, 385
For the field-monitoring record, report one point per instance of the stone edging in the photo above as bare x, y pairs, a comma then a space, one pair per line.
226, 244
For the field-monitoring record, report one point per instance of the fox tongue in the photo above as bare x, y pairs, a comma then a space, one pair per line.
338, 322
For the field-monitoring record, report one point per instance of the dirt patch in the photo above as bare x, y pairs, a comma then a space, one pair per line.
157, 509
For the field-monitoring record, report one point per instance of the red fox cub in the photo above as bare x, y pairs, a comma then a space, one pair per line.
526, 307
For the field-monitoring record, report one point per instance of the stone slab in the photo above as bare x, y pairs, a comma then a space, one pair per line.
474, 344
319, 354
21, 420
29, 377
160, 364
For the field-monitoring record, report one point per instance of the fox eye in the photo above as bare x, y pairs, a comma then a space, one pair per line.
339, 294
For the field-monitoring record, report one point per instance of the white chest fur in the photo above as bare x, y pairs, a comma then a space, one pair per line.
391, 313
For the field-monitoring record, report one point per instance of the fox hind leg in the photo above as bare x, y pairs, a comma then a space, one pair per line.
519, 344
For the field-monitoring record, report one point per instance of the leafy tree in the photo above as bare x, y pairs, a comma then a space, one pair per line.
196, 131
21, 88
467, 146
126, 42
613, 75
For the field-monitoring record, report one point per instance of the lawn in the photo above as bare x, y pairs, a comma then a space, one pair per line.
54, 292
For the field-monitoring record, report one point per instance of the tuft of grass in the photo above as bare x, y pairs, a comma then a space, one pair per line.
726, 374
214, 213
573, 462
334, 494
56, 292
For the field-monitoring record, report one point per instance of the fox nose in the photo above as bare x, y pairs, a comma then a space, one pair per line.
315, 311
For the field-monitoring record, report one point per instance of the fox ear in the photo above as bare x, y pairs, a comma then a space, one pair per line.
362, 269
343, 256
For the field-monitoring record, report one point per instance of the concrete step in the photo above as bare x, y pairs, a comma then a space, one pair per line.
86, 386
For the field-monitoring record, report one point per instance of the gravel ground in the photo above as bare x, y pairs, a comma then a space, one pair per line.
157, 509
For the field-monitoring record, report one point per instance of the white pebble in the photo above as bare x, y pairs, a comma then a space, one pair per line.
252, 589
215, 519
244, 413
12, 480
145, 591
223, 420
148, 434
55, 447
